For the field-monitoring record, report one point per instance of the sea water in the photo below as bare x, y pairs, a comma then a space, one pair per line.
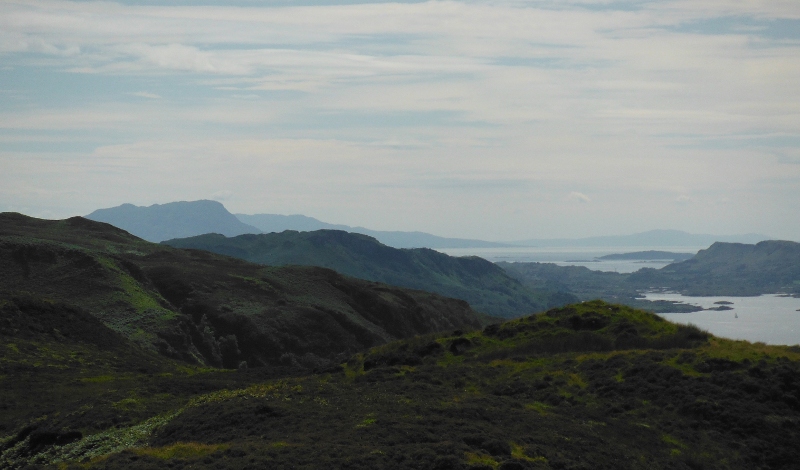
573, 256
771, 319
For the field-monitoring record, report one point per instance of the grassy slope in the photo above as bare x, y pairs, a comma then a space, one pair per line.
487, 288
211, 309
589, 386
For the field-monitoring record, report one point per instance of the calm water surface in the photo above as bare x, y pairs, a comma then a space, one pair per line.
572, 256
771, 319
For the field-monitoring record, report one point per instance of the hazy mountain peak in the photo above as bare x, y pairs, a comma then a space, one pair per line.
160, 222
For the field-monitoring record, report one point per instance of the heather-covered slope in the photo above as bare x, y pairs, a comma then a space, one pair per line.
209, 309
485, 286
588, 386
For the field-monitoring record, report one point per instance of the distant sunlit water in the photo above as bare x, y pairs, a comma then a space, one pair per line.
572, 256
771, 319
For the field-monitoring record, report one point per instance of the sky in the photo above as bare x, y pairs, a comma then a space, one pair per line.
498, 120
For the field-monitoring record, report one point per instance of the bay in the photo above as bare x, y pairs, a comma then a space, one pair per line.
770, 319
572, 256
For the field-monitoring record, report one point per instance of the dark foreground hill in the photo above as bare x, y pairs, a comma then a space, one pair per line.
173, 220
209, 309
588, 386
485, 286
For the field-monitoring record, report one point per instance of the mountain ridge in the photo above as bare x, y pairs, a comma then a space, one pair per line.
481, 283
209, 309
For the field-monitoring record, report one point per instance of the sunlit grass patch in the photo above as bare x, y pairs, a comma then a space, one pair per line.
368, 421
740, 350
539, 407
98, 379
180, 450
481, 459
129, 404
576, 381
518, 452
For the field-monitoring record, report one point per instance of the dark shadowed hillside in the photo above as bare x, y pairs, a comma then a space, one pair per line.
587, 386
173, 220
209, 309
485, 286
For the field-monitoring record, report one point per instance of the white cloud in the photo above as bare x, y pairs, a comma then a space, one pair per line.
576, 196
145, 94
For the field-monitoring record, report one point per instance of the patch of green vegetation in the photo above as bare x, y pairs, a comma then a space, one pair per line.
368, 421
180, 451
99, 379
518, 452
538, 407
480, 459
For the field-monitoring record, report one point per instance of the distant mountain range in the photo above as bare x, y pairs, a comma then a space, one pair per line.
183, 219
161, 222
664, 238
486, 287
278, 223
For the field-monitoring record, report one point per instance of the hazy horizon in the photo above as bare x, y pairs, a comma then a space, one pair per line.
335, 225
494, 120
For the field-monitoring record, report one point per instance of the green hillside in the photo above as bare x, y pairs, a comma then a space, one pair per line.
208, 309
587, 386
486, 287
